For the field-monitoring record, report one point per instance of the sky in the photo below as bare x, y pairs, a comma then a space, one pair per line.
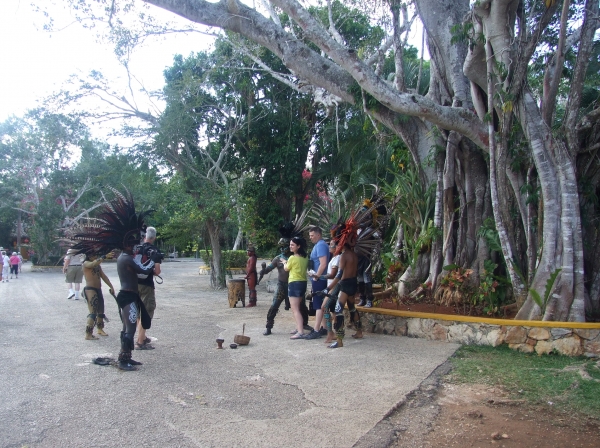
36, 63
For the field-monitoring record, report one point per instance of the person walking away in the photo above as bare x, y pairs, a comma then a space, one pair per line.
73, 271
319, 257
251, 275
296, 265
14, 265
146, 289
92, 293
5, 267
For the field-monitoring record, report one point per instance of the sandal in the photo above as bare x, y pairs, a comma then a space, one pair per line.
139, 346
298, 336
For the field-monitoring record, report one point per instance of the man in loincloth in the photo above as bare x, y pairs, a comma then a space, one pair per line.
119, 227
92, 293
348, 287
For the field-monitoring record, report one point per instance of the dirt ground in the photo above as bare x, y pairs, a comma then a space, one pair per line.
483, 416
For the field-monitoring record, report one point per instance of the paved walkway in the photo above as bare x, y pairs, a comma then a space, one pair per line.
275, 392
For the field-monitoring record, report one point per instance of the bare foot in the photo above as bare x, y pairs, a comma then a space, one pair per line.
358, 335
90, 337
330, 337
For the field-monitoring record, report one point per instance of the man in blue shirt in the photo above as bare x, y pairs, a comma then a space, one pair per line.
319, 257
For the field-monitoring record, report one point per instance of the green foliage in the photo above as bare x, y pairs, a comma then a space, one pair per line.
537, 379
231, 258
491, 293
489, 234
543, 301
414, 210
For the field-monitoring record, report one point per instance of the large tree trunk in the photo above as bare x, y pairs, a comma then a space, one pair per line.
217, 273
561, 242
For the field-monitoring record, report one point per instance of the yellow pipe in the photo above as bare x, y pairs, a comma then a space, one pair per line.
483, 320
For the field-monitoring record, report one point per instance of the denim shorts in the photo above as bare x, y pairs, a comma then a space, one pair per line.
317, 286
297, 289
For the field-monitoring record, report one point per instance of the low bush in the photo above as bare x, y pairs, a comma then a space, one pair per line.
231, 258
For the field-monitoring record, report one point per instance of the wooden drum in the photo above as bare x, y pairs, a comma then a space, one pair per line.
236, 292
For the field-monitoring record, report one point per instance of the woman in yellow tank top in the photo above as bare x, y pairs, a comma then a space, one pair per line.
297, 265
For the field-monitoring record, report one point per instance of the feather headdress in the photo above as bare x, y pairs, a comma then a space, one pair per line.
355, 226
118, 226
293, 228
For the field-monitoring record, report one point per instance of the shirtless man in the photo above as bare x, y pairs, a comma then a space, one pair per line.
346, 277
92, 293
130, 303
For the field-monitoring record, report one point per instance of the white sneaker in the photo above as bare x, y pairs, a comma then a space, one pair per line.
71, 294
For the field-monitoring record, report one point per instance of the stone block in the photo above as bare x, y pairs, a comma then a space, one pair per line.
401, 326
439, 333
525, 348
444, 323
461, 333
589, 334
389, 327
543, 347
539, 334
558, 333
495, 337
570, 346
530, 341
591, 349
414, 328
516, 335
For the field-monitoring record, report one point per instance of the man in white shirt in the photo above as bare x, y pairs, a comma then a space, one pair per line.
73, 271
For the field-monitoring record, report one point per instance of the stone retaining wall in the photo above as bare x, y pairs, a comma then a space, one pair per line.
527, 339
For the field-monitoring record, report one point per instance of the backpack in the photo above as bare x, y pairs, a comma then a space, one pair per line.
144, 254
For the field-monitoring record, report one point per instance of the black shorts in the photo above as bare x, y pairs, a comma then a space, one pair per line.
349, 286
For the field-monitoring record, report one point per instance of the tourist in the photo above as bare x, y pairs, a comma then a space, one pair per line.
73, 271
331, 300
14, 265
280, 295
296, 265
319, 257
5, 266
147, 251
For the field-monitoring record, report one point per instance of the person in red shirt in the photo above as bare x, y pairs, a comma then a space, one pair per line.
14, 265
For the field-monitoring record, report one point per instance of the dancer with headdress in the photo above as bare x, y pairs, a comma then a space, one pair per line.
287, 232
119, 227
92, 293
350, 245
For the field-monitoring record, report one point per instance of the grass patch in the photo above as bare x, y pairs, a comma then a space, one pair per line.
571, 384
